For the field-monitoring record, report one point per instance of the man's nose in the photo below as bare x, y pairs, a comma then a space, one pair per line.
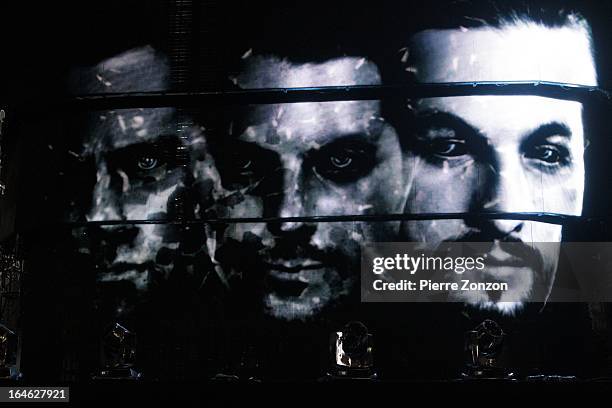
506, 191
289, 202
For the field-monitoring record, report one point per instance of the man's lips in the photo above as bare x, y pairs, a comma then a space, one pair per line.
509, 261
293, 266
499, 257
289, 278
505, 267
121, 267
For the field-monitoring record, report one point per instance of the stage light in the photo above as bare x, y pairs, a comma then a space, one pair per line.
119, 355
352, 353
484, 346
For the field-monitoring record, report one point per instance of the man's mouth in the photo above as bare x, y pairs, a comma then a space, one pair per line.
497, 259
294, 265
291, 277
509, 261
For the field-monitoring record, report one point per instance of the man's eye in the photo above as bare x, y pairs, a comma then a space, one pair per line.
147, 163
139, 162
549, 154
343, 164
245, 165
448, 147
341, 161
243, 170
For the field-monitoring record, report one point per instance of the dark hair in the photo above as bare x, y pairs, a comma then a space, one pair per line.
306, 32
466, 14
317, 31
476, 13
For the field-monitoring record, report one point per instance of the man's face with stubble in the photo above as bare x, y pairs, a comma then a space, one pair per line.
306, 159
279, 160
143, 172
499, 153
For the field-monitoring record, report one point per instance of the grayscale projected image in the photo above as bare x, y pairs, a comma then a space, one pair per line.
448, 154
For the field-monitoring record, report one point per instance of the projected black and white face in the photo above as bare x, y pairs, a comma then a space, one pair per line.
274, 160
307, 159
499, 153
142, 160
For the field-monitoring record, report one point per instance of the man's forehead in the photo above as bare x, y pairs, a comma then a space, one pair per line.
272, 72
140, 69
506, 108
308, 123
123, 127
506, 118
520, 51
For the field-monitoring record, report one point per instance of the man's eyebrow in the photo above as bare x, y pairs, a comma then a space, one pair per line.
350, 137
357, 139
442, 119
163, 140
166, 146
550, 129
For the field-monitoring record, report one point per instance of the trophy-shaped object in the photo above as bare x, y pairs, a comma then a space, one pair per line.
119, 355
483, 346
351, 351
8, 354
